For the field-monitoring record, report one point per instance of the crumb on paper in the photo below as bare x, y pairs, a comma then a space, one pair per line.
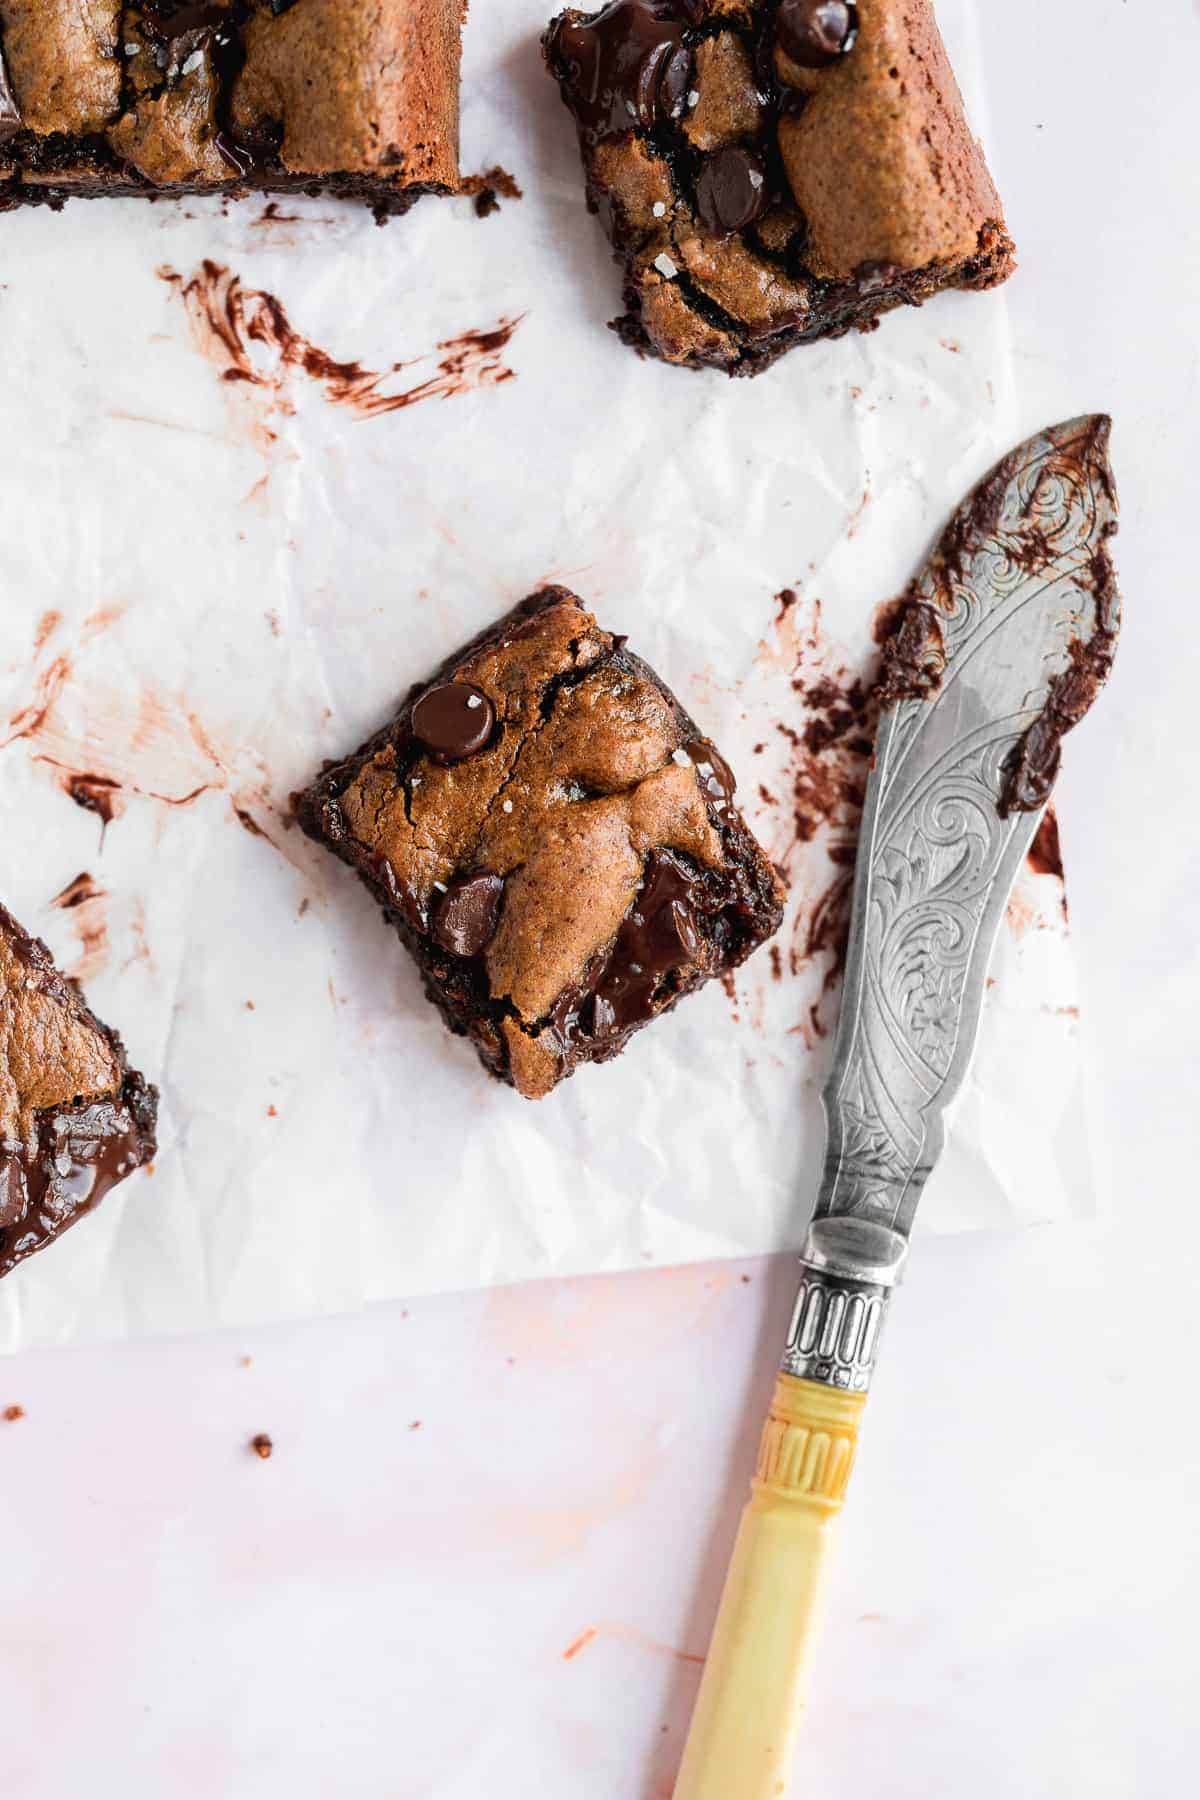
13, 1413
244, 1362
488, 188
262, 1446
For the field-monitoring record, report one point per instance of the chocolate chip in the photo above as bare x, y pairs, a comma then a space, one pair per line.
673, 83
454, 720
730, 191
625, 69
814, 33
468, 913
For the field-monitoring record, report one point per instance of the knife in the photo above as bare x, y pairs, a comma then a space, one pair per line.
1002, 644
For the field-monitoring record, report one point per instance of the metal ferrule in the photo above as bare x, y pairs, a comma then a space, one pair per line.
850, 1267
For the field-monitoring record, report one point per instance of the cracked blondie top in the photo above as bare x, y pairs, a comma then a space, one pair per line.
771, 172
352, 97
555, 841
74, 1118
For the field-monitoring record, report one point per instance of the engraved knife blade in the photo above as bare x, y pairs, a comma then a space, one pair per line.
1006, 637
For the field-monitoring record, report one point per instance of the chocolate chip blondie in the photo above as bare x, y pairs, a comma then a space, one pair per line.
350, 97
771, 172
554, 840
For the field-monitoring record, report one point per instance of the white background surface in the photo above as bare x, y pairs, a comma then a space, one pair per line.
383, 1610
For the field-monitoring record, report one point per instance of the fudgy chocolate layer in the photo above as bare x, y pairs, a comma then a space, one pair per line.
74, 1118
574, 871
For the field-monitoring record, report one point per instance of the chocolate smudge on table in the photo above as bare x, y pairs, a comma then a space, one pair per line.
248, 822
830, 739
171, 731
228, 319
47, 625
28, 720
97, 794
1045, 852
86, 901
1044, 857
78, 892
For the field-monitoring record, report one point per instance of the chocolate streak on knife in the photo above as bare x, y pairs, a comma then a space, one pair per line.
914, 656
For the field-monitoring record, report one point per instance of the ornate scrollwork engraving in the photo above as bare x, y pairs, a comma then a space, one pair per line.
1017, 581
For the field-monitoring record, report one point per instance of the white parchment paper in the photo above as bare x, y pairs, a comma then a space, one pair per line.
214, 573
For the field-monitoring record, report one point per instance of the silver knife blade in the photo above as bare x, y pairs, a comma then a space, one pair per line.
1008, 634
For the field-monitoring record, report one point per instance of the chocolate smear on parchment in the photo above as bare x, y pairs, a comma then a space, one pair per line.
248, 336
829, 734
86, 901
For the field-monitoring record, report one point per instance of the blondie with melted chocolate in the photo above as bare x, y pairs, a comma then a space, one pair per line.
771, 172
350, 97
555, 841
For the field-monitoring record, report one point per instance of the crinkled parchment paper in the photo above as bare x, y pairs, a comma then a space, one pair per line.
222, 559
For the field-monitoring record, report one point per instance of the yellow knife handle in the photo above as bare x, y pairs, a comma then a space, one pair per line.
752, 1692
